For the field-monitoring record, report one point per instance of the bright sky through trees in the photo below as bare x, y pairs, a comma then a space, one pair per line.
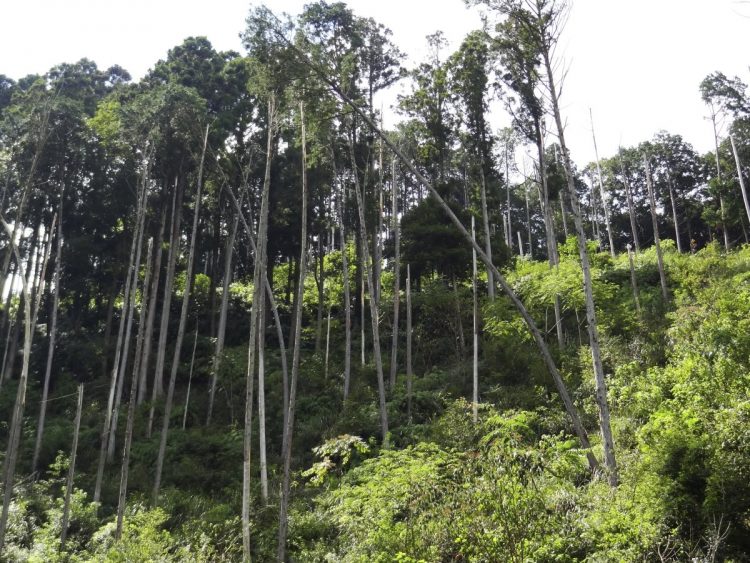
636, 63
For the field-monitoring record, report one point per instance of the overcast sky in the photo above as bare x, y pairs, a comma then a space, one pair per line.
636, 63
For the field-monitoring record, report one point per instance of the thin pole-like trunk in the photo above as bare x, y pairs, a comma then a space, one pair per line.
14, 437
634, 282
181, 327
320, 284
654, 223
71, 469
520, 244
631, 206
605, 204
396, 275
528, 222
52, 338
529, 321
132, 402
262, 459
259, 274
509, 237
148, 333
475, 347
347, 313
373, 304
487, 238
328, 343
166, 304
409, 372
118, 348
740, 176
219, 350
674, 217
363, 252
718, 176
600, 382
130, 306
289, 429
190, 380
562, 214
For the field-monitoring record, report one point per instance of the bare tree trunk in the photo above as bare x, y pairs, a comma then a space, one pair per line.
52, 338
190, 380
71, 469
600, 383
740, 176
487, 237
259, 274
132, 402
634, 282
718, 176
373, 304
328, 342
219, 351
347, 312
148, 333
605, 204
396, 275
409, 373
674, 217
262, 399
475, 347
363, 250
289, 429
657, 242
181, 326
562, 214
320, 283
631, 207
131, 275
130, 306
528, 222
166, 305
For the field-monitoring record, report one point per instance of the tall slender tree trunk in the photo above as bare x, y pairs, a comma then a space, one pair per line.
347, 312
409, 372
600, 382
131, 275
52, 338
148, 333
487, 236
655, 224
320, 284
674, 217
71, 469
181, 326
259, 274
631, 206
605, 204
132, 402
740, 176
634, 282
396, 275
190, 379
262, 459
718, 176
363, 253
373, 304
219, 350
475, 347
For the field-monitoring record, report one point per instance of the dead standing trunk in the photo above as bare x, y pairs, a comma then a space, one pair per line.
740, 177
654, 223
605, 205
71, 469
396, 275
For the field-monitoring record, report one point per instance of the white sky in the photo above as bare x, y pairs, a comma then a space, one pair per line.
636, 63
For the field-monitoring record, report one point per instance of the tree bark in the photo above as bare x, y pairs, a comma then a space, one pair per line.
740, 176
631, 206
718, 176
181, 327
219, 350
487, 236
605, 205
71, 469
674, 217
347, 312
475, 346
654, 223
190, 380
409, 373
396, 276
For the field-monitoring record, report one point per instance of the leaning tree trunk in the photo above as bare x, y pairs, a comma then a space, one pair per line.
289, 429
373, 303
654, 223
71, 469
259, 274
161, 347
181, 327
588, 286
219, 351
740, 176
52, 338
674, 217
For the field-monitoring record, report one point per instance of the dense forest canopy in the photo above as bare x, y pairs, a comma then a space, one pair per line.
241, 320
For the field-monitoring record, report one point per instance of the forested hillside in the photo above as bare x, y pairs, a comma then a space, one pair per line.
241, 321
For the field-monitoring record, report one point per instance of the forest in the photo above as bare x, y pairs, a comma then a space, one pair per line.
242, 321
